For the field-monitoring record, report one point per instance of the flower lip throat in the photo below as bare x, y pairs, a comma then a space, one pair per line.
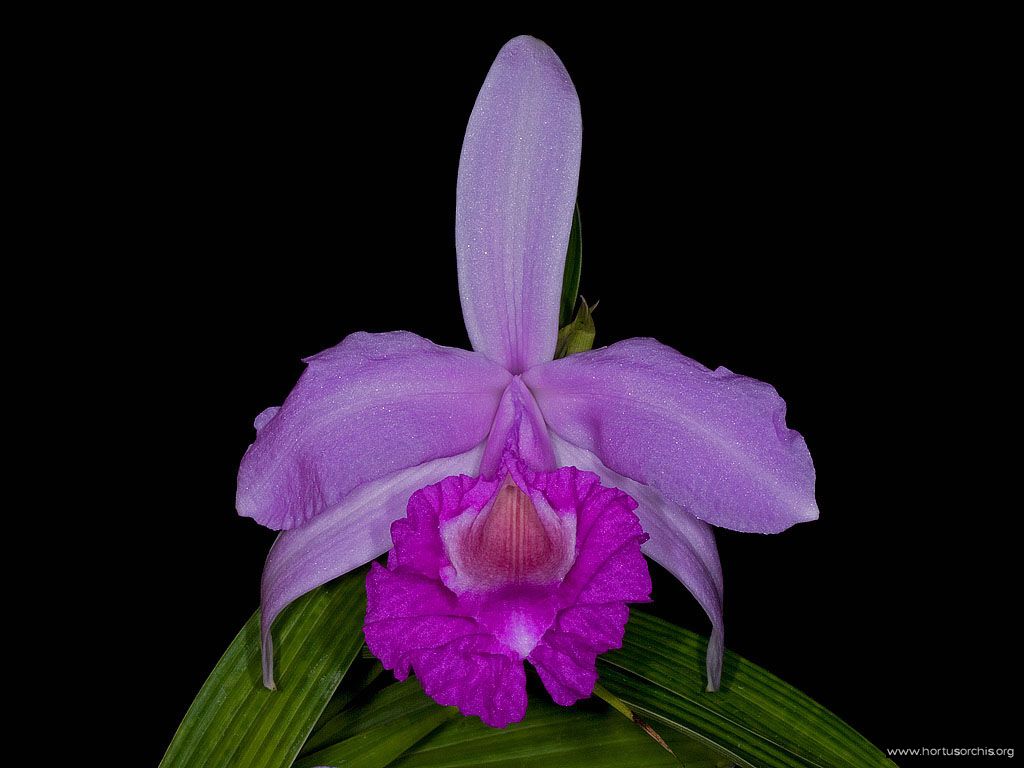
513, 540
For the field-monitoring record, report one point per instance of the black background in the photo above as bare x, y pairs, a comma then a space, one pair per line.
776, 204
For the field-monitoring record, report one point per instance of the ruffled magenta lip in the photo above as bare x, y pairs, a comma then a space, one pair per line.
485, 574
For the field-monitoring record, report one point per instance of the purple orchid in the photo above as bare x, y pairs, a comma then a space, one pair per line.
515, 492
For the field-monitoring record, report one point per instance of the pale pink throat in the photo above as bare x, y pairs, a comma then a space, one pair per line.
513, 540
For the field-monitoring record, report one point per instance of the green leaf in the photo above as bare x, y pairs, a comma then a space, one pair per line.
590, 734
755, 718
587, 735
573, 270
235, 721
577, 336
378, 746
395, 702
360, 676
619, 706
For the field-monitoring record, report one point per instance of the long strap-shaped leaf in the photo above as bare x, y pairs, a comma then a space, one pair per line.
379, 746
549, 736
400, 719
235, 722
755, 718
395, 702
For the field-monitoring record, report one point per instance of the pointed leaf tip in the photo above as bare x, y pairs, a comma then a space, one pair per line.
573, 270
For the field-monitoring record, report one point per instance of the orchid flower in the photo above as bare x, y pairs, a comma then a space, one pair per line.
517, 494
